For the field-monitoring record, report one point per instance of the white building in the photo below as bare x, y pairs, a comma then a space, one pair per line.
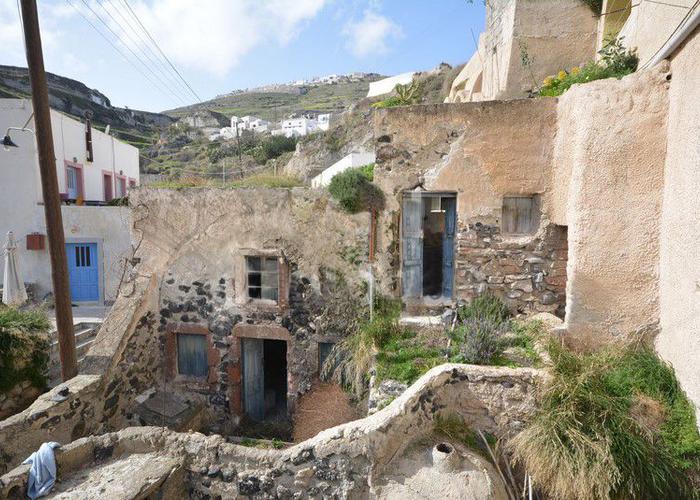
252, 123
97, 236
324, 121
352, 160
298, 127
385, 86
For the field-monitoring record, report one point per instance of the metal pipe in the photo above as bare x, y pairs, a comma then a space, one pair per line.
677, 38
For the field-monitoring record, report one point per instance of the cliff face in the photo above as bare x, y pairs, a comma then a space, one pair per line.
75, 98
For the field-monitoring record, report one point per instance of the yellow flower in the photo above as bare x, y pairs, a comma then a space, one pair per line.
575, 70
561, 75
548, 80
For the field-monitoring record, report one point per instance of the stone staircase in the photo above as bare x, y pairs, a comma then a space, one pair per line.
85, 334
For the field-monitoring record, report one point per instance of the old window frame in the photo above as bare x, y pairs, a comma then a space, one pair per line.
520, 224
203, 344
262, 278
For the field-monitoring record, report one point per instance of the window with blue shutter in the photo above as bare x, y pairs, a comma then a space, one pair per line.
192, 355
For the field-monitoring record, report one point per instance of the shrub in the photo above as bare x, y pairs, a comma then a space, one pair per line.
486, 306
616, 61
593, 437
23, 348
355, 192
480, 340
405, 95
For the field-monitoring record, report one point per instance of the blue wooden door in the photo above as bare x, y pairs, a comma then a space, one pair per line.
83, 269
412, 245
448, 245
252, 353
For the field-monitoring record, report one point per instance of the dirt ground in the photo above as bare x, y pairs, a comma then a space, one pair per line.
324, 406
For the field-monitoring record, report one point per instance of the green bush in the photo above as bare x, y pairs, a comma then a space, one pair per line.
405, 95
480, 340
616, 61
23, 348
486, 306
355, 192
612, 424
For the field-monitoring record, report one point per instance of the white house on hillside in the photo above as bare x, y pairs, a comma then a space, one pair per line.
381, 87
252, 123
299, 127
352, 160
90, 174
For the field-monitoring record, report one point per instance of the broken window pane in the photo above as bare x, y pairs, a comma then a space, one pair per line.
263, 277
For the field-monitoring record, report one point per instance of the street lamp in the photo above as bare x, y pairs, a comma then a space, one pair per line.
7, 141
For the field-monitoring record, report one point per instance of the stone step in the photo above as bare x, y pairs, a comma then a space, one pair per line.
80, 336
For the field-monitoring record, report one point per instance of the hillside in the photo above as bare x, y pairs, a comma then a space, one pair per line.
274, 105
72, 97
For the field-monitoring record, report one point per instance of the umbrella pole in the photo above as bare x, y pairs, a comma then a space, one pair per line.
49, 187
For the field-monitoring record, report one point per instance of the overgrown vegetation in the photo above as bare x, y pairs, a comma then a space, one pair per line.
354, 190
611, 424
481, 336
261, 147
262, 180
23, 348
616, 61
404, 95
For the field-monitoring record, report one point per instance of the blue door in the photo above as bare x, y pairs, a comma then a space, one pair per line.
84, 272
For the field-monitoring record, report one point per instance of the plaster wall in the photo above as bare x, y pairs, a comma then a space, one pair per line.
650, 24
523, 42
606, 186
679, 339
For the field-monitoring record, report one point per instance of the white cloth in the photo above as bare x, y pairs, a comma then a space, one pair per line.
13, 291
42, 474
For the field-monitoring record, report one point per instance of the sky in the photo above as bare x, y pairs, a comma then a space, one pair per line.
222, 45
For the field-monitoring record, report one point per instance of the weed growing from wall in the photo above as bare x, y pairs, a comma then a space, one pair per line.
616, 61
354, 191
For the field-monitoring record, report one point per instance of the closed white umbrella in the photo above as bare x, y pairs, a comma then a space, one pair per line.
13, 291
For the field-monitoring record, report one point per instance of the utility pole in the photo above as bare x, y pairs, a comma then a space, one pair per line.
49, 188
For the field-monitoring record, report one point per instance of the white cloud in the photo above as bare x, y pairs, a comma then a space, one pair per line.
213, 36
371, 35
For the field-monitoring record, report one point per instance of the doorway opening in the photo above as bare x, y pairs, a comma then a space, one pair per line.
264, 379
428, 239
275, 372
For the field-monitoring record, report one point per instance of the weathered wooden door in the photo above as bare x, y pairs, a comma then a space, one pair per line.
448, 245
252, 353
412, 244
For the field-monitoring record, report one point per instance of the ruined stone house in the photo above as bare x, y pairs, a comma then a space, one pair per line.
585, 206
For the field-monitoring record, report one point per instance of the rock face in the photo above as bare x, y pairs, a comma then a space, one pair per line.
380, 455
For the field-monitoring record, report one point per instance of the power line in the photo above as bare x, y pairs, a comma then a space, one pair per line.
160, 50
115, 47
176, 90
117, 37
167, 70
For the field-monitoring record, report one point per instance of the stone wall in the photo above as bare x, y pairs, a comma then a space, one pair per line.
352, 460
483, 152
196, 243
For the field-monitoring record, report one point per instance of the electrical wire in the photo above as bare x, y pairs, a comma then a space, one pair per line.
115, 47
166, 81
166, 69
148, 34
